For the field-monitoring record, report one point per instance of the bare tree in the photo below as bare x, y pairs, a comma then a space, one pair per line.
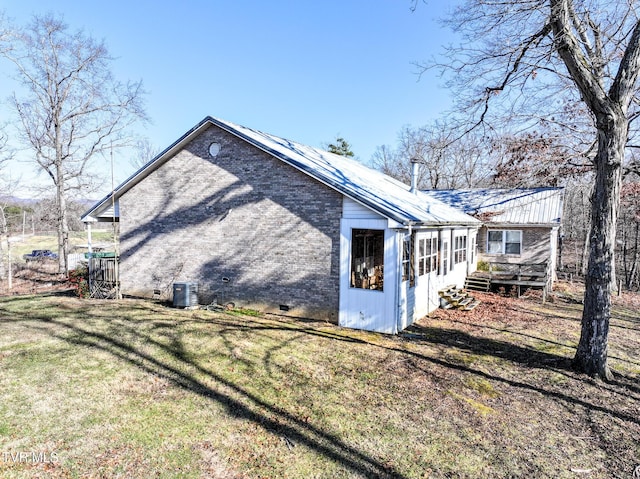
7, 186
532, 159
72, 110
145, 152
629, 234
525, 61
446, 161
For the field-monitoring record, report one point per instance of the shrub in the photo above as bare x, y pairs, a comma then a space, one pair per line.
79, 278
483, 266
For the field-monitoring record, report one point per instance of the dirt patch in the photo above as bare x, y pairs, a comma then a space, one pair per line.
34, 278
513, 357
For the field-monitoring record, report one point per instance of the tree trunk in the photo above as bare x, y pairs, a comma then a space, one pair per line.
586, 226
3, 233
63, 223
634, 263
2, 265
591, 355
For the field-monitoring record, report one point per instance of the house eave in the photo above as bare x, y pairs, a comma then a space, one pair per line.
394, 214
520, 225
148, 168
387, 213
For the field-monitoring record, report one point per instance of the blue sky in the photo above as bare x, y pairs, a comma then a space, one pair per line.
304, 70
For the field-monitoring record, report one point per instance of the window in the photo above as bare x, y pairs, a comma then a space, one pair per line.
512, 242
408, 255
367, 259
460, 249
427, 255
474, 248
444, 257
504, 242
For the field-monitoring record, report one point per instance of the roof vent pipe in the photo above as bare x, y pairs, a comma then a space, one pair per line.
415, 164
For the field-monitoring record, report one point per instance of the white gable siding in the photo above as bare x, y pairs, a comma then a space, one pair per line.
109, 213
354, 210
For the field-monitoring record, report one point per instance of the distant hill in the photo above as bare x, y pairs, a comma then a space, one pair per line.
14, 200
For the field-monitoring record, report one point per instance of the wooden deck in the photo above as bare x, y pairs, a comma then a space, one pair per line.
520, 275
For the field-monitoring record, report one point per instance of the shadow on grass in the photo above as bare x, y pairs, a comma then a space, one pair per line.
571, 347
246, 405
172, 360
525, 356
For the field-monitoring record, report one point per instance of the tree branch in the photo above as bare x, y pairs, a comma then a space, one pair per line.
567, 47
624, 85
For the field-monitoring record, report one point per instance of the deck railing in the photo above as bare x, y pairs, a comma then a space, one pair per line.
536, 275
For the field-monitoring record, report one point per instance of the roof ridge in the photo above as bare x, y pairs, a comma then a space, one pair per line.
379, 192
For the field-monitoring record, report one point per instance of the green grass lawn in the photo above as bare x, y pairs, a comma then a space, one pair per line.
21, 246
135, 389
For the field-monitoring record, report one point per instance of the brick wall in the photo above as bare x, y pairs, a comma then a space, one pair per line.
272, 231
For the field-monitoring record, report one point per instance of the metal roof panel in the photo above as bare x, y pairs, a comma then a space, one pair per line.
517, 206
370, 187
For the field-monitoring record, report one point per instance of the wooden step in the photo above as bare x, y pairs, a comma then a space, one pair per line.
457, 296
472, 305
465, 302
453, 297
447, 289
477, 283
455, 293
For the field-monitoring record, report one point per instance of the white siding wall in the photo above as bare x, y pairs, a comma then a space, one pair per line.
370, 310
399, 304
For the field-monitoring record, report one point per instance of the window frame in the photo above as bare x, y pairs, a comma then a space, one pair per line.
460, 248
374, 279
408, 258
444, 256
504, 242
427, 256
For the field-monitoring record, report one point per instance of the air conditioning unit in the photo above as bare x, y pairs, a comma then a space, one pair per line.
185, 295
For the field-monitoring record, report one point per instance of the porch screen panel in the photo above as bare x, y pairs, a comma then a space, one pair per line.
367, 259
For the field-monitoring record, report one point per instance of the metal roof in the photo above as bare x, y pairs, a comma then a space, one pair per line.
371, 188
507, 206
